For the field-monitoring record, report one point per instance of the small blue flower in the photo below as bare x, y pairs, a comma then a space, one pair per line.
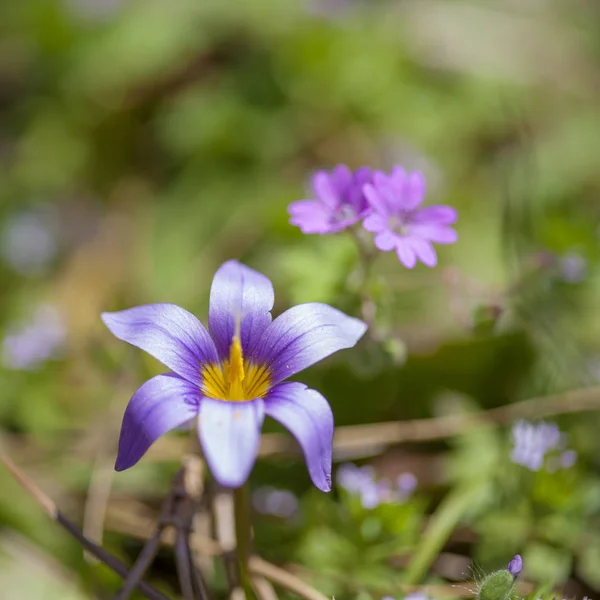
533, 442
268, 500
28, 346
362, 482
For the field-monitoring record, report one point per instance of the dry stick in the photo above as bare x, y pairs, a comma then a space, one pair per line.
357, 438
258, 567
222, 510
182, 561
50, 509
360, 441
190, 489
283, 578
99, 489
198, 583
98, 497
148, 553
263, 588
140, 566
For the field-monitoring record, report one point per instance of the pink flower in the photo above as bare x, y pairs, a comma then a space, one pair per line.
400, 224
339, 201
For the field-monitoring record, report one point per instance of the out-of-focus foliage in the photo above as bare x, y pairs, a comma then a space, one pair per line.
143, 143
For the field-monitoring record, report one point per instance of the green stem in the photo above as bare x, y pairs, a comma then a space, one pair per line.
441, 525
366, 258
241, 511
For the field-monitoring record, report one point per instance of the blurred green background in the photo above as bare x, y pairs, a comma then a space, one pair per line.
142, 143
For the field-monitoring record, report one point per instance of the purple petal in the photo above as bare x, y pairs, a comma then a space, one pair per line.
387, 191
169, 333
341, 178
230, 435
439, 234
309, 418
376, 200
405, 253
239, 292
363, 175
161, 404
414, 190
312, 216
325, 190
376, 222
424, 251
436, 215
386, 240
398, 177
356, 195
304, 335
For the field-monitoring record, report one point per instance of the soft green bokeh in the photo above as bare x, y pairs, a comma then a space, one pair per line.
149, 141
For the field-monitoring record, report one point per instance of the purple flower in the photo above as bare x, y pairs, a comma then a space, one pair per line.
30, 241
29, 346
515, 566
340, 201
406, 483
572, 267
532, 443
271, 501
229, 377
398, 222
361, 481
568, 459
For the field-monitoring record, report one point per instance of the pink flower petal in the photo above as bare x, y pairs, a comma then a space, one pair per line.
386, 240
406, 254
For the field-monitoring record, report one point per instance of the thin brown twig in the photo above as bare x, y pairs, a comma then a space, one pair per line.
140, 567
198, 583
263, 588
148, 553
101, 480
183, 564
190, 493
257, 566
359, 441
51, 510
284, 579
222, 511
359, 438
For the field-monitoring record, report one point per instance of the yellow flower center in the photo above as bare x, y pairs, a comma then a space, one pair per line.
235, 379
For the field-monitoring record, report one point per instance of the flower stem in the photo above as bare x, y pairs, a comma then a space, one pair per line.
241, 512
366, 258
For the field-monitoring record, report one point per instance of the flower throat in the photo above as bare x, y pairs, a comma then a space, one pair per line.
235, 379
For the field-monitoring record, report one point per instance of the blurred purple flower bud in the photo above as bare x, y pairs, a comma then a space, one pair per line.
515, 566
362, 482
328, 8
572, 268
29, 346
94, 10
369, 495
406, 483
282, 503
532, 442
29, 241
568, 458
271, 501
